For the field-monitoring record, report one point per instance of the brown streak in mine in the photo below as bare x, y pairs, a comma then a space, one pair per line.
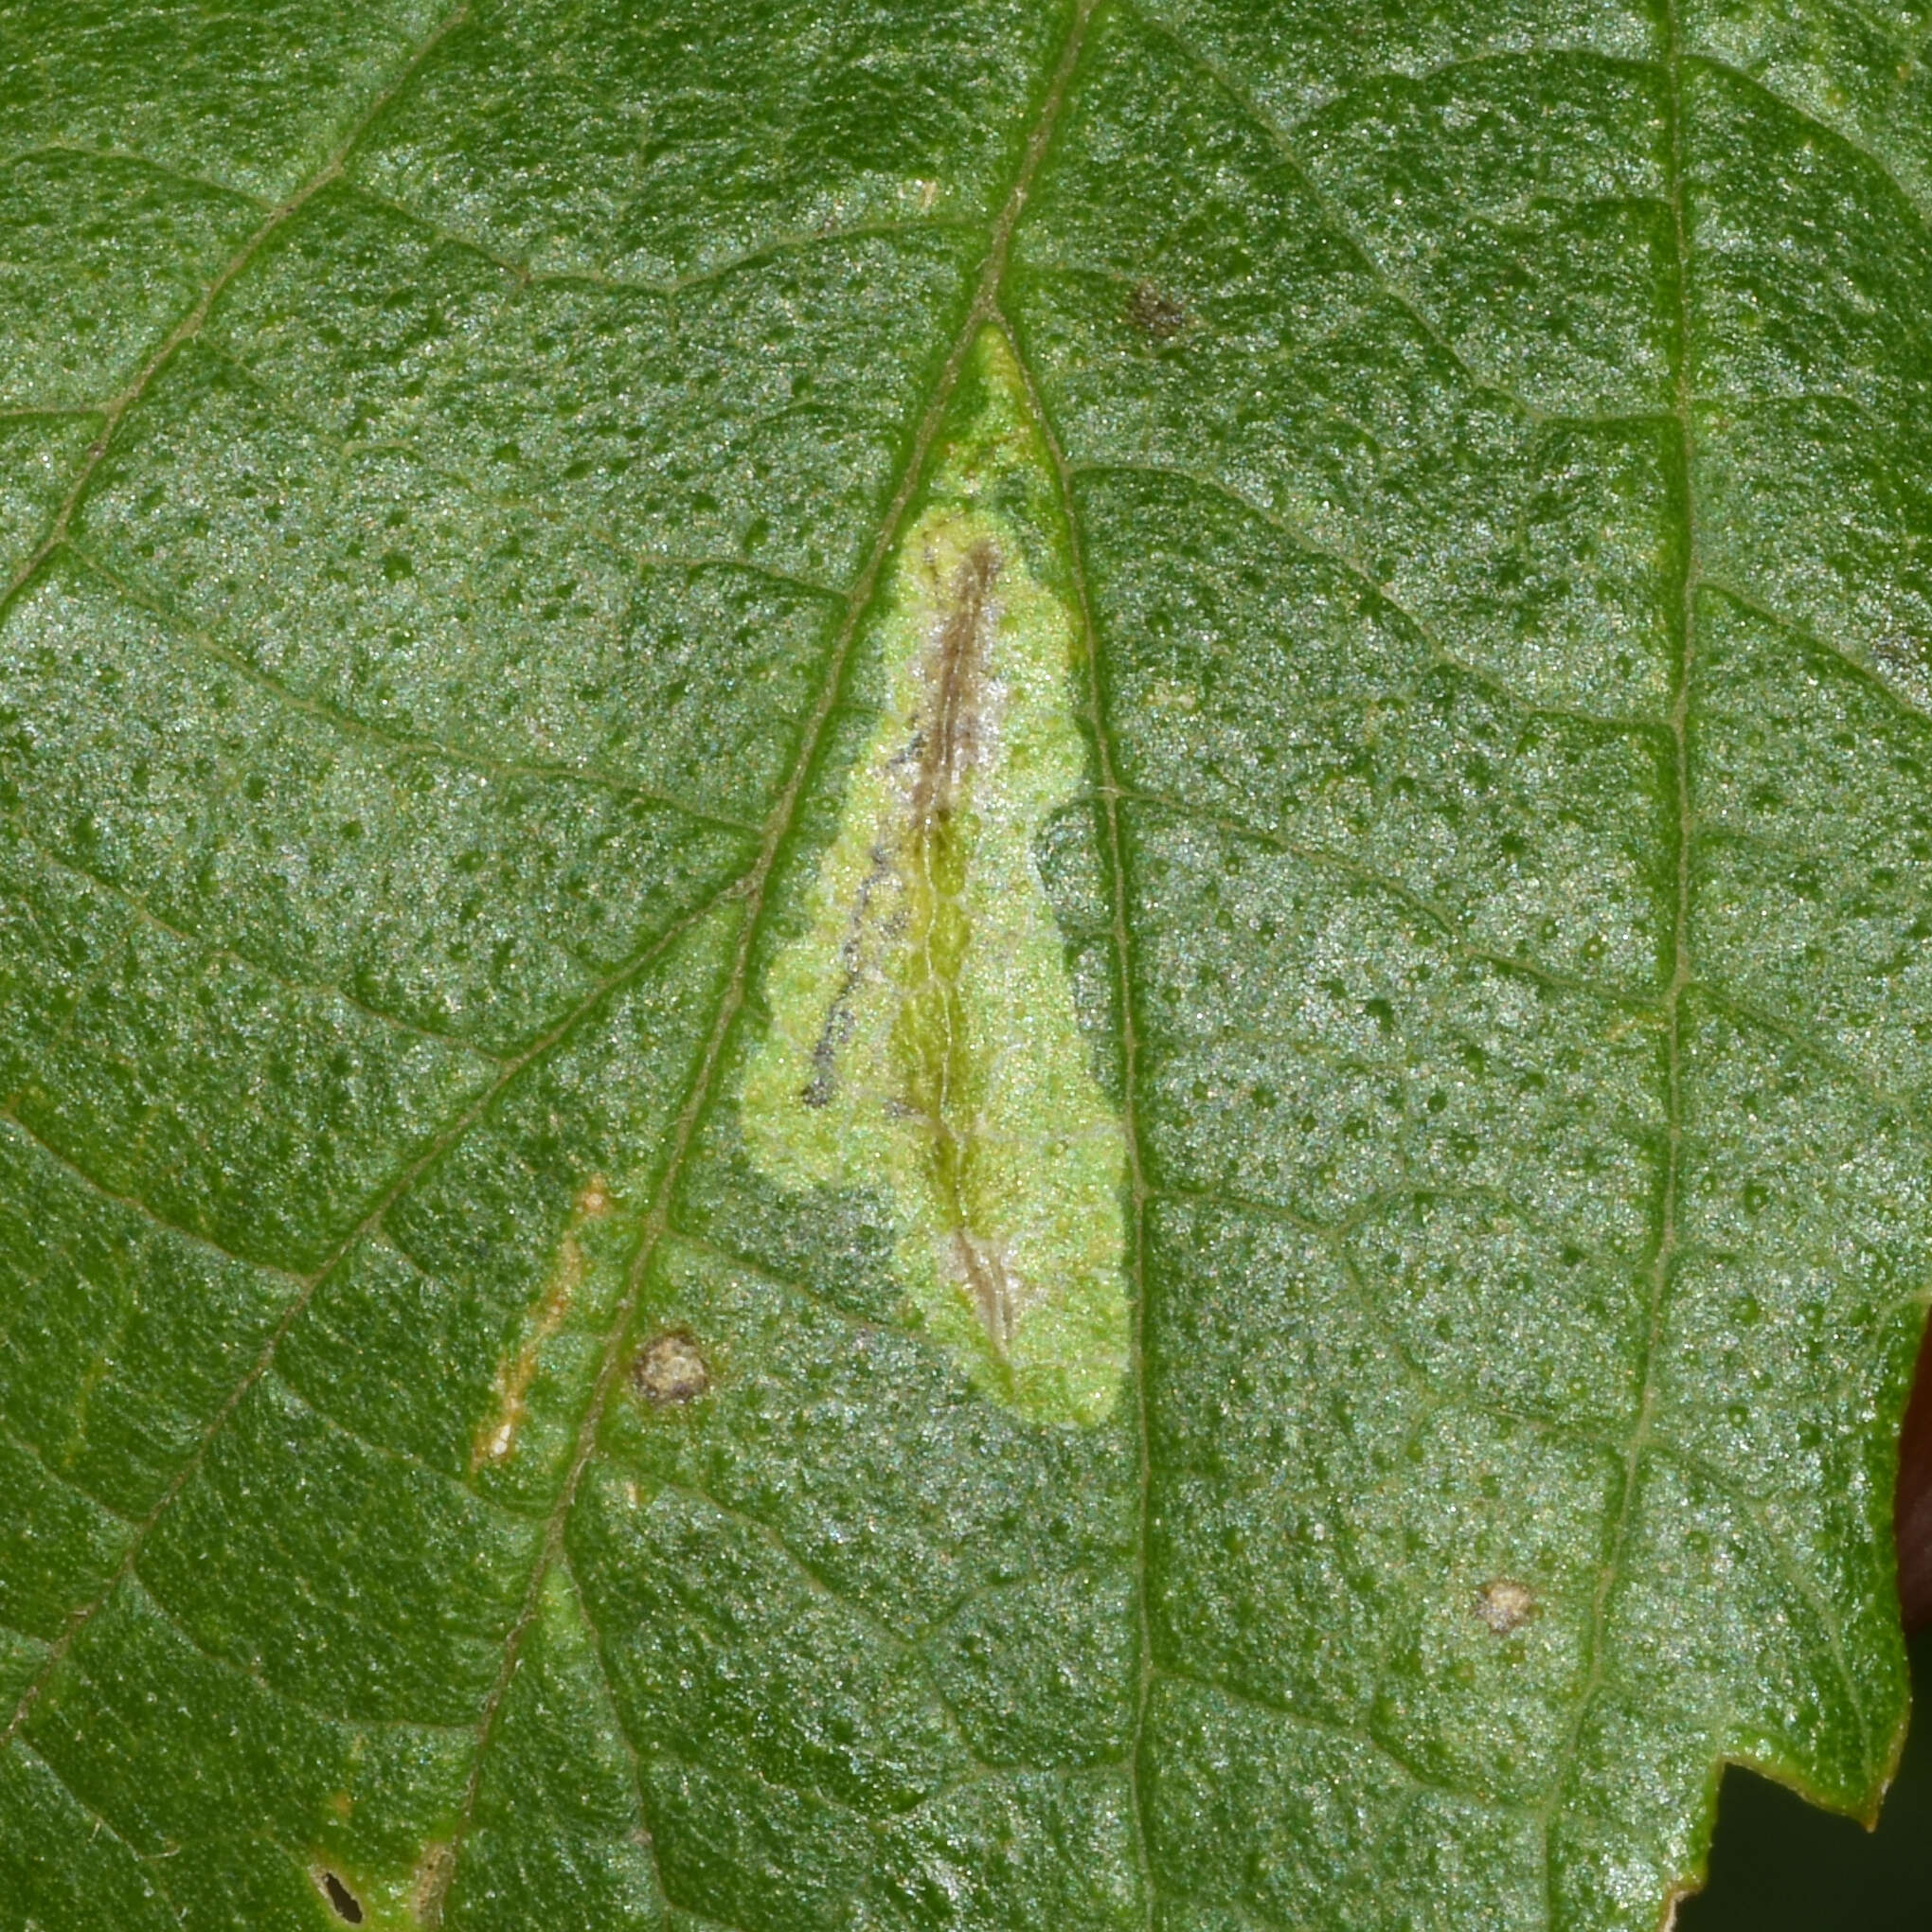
816, 1092
942, 753
957, 673
991, 1289
947, 746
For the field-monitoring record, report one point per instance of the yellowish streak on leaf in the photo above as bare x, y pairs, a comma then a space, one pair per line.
497, 1438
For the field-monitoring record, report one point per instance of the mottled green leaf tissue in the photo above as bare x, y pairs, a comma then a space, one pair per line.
963, 964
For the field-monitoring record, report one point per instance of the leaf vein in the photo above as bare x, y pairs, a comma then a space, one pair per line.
305, 1286
351, 724
113, 411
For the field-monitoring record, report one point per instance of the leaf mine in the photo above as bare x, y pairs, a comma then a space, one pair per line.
925, 1041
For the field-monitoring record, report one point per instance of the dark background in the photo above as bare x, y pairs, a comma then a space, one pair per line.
1776, 1863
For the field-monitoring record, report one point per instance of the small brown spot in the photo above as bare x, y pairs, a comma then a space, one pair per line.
342, 1804
347, 1906
1154, 312
596, 1198
671, 1368
1504, 1605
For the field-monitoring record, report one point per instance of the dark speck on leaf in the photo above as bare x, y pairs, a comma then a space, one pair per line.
1155, 313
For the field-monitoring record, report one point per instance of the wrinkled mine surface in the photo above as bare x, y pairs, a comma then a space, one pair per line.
946, 1073
932, 1036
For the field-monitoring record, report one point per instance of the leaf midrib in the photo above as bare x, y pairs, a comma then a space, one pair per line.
982, 310
750, 887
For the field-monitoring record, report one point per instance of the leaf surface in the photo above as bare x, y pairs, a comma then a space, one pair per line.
962, 966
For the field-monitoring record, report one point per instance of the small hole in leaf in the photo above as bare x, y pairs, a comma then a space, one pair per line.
347, 1906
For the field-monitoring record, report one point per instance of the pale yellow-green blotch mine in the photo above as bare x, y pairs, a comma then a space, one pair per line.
924, 1041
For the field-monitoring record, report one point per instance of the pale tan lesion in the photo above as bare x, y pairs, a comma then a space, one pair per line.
1505, 1604
496, 1436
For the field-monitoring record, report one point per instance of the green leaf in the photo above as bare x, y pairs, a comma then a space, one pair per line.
962, 965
